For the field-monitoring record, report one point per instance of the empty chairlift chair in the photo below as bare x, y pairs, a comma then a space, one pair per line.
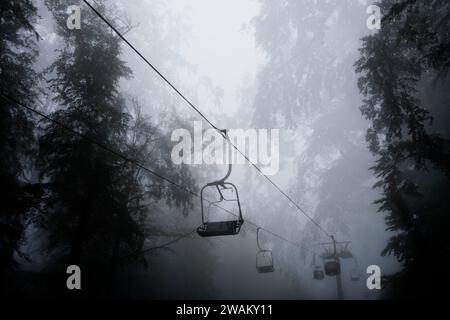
317, 272
220, 228
331, 265
264, 258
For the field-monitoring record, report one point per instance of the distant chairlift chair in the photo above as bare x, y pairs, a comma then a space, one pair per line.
332, 265
264, 258
317, 272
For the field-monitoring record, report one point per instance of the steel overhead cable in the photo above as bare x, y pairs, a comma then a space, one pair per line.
202, 115
161, 246
262, 228
139, 165
104, 147
280, 237
187, 235
164, 245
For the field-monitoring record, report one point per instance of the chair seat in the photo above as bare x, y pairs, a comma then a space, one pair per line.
265, 269
319, 275
222, 228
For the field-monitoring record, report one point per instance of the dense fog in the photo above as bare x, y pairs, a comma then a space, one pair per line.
292, 65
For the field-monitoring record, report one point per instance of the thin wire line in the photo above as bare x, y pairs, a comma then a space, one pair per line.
132, 161
135, 162
202, 115
280, 237
99, 144
161, 246
281, 191
149, 64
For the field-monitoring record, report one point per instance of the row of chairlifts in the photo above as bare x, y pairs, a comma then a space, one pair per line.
331, 262
264, 258
220, 228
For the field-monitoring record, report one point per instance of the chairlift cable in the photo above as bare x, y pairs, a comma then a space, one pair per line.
202, 115
161, 246
92, 141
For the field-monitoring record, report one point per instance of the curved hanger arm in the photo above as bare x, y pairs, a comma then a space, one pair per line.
222, 181
257, 239
334, 246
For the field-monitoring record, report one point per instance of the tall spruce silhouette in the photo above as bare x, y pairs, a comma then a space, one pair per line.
397, 65
96, 203
17, 80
